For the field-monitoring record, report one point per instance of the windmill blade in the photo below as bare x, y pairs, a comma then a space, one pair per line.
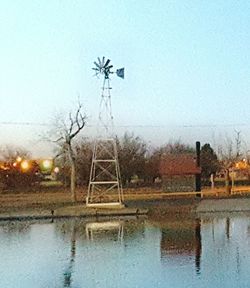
109, 67
120, 73
107, 63
96, 69
97, 65
103, 60
99, 60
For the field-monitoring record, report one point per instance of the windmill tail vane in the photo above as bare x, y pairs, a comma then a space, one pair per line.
120, 73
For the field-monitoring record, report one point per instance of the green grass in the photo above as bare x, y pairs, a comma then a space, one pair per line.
51, 184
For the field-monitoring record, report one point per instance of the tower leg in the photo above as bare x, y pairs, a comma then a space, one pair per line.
105, 179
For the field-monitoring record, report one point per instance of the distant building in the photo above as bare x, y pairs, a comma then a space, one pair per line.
180, 172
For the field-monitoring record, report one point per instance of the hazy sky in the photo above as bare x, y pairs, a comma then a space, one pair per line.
187, 64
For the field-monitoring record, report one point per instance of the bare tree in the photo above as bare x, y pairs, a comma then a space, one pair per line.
66, 130
10, 153
84, 151
238, 143
230, 157
132, 156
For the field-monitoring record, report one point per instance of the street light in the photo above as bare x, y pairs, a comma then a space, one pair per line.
18, 159
25, 165
47, 164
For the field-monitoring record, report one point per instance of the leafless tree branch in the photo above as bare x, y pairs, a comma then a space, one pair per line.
67, 130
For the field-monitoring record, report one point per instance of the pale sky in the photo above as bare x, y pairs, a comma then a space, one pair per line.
187, 66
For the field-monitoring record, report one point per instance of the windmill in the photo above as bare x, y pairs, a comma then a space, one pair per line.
105, 188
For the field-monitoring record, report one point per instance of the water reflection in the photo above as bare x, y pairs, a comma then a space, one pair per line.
198, 245
211, 251
113, 229
15, 227
230, 247
69, 270
182, 239
228, 227
96, 246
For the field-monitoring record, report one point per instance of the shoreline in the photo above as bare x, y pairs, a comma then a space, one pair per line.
71, 212
153, 209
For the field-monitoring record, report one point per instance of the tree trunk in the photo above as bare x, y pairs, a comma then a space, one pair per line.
72, 175
227, 180
73, 182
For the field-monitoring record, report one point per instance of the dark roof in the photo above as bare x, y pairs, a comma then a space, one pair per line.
179, 164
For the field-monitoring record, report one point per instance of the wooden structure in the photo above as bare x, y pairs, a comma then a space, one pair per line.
181, 172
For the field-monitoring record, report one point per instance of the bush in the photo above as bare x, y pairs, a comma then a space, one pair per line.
14, 178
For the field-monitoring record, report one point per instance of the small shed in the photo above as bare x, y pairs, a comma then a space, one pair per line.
180, 172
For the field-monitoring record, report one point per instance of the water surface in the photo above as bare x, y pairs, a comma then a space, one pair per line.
206, 252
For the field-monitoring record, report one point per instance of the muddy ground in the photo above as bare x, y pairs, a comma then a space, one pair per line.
52, 199
159, 207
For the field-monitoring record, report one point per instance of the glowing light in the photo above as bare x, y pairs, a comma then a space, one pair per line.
56, 170
14, 164
25, 165
47, 164
19, 159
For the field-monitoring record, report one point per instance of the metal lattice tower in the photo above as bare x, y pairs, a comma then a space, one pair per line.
105, 188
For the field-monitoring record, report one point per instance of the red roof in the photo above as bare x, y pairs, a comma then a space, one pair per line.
179, 164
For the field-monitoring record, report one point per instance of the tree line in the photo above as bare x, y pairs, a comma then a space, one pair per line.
137, 159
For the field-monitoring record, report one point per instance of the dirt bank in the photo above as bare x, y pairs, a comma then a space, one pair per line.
57, 198
45, 203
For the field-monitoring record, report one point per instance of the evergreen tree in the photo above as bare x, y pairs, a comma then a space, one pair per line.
209, 161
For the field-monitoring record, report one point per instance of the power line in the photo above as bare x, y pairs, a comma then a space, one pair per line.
24, 123
10, 123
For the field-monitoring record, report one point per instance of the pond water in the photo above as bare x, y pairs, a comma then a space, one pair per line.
206, 252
